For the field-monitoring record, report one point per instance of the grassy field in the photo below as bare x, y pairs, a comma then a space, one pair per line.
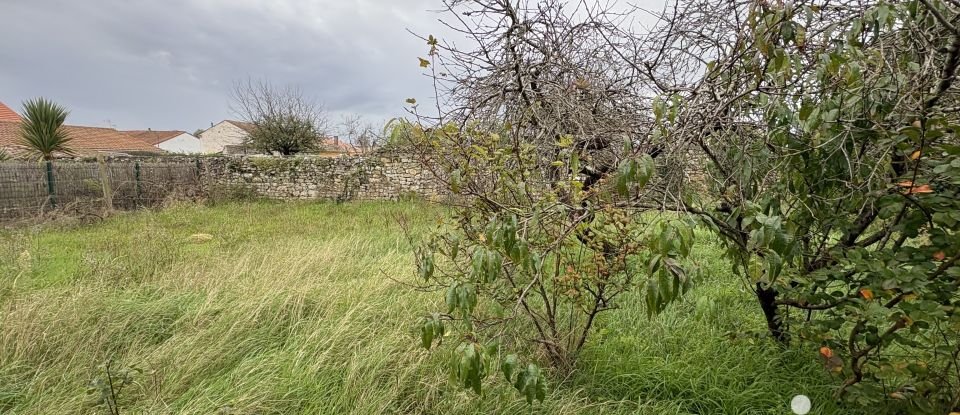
288, 309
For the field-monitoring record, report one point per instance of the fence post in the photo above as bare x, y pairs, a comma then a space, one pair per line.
105, 183
50, 190
136, 175
199, 191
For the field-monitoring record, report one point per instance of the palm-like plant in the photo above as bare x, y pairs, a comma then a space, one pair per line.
42, 129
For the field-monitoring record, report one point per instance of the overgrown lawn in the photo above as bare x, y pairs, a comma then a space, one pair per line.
294, 308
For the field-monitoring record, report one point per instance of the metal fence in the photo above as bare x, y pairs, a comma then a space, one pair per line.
32, 188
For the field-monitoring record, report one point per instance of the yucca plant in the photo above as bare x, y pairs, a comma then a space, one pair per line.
42, 129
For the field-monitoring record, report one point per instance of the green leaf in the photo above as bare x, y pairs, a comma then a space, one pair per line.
456, 177
666, 293
654, 264
424, 63
426, 336
805, 109
883, 11
509, 365
426, 265
658, 108
645, 170
624, 174
575, 163
451, 298
650, 299
774, 265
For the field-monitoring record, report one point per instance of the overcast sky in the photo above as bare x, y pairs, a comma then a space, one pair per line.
169, 64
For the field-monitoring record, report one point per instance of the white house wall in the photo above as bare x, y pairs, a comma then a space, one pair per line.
215, 138
183, 143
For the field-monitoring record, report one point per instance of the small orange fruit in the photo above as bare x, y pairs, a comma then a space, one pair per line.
826, 352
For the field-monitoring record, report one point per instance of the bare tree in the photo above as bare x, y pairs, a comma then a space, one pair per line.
825, 133
823, 129
359, 132
545, 133
285, 120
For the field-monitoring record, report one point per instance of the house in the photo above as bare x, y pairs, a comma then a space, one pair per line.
85, 141
332, 146
7, 114
173, 141
228, 137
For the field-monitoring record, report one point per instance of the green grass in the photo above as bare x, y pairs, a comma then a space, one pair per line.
291, 308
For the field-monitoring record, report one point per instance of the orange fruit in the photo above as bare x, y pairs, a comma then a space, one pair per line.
826, 352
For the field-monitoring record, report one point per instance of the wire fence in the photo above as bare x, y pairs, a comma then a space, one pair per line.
29, 189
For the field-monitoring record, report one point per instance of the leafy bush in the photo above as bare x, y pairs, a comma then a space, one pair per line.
532, 261
828, 137
835, 165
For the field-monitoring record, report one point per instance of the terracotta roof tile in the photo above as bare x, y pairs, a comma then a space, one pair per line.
7, 114
85, 140
334, 144
153, 137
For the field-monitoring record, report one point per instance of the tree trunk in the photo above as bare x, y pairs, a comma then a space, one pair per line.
768, 303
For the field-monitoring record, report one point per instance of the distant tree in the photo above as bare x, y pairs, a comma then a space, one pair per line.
358, 132
42, 129
286, 122
198, 131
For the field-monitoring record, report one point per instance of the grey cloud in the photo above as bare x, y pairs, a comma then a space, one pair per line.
169, 64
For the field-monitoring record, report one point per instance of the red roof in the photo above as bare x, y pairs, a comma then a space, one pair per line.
153, 137
7, 114
84, 140
334, 144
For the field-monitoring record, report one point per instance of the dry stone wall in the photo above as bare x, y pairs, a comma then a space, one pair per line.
379, 176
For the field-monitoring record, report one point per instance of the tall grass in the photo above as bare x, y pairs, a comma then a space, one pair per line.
293, 308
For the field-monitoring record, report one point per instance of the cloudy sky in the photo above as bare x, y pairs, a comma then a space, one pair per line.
169, 64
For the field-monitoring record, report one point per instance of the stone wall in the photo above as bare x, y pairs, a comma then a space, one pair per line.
379, 176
